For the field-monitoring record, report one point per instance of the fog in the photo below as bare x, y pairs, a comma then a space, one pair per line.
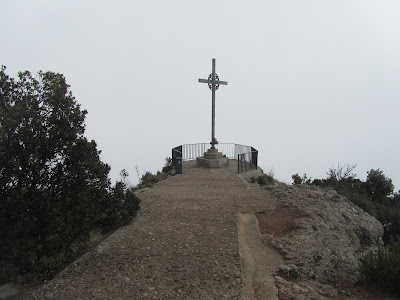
310, 83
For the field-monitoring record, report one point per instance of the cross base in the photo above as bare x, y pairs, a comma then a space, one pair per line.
212, 159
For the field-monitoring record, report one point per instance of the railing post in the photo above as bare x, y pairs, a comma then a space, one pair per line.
176, 152
254, 157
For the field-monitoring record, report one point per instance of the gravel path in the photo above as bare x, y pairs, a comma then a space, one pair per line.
182, 245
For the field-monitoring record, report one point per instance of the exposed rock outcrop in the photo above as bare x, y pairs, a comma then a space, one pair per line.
321, 239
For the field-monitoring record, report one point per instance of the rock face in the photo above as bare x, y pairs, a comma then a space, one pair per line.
322, 236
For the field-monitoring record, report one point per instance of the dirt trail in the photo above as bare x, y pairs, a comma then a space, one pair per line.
182, 245
259, 261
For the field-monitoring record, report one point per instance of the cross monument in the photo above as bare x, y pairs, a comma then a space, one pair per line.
213, 84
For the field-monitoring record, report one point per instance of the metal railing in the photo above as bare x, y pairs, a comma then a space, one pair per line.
247, 161
247, 156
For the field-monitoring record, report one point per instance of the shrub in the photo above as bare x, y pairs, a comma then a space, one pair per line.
382, 267
168, 166
120, 208
294, 273
148, 179
265, 179
378, 185
290, 273
388, 213
53, 186
296, 178
301, 180
341, 172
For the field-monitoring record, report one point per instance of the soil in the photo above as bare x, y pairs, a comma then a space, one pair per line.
271, 221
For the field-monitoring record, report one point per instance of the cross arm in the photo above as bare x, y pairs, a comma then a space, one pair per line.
216, 81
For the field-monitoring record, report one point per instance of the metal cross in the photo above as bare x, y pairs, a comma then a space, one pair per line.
213, 84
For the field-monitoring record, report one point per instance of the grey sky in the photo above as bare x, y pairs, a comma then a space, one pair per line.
311, 83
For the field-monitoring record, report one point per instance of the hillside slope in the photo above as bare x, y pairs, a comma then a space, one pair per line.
209, 234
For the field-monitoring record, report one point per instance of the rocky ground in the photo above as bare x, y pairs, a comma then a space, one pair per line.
321, 236
209, 234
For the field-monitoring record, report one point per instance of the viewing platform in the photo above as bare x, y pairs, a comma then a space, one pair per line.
246, 157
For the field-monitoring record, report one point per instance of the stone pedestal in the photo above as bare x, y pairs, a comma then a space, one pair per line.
212, 159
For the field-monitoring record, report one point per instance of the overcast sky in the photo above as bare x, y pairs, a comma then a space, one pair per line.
310, 83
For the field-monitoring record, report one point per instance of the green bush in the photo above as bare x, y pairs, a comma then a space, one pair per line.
265, 179
148, 179
294, 273
388, 213
296, 178
121, 208
53, 186
378, 185
301, 180
168, 166
382, 267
